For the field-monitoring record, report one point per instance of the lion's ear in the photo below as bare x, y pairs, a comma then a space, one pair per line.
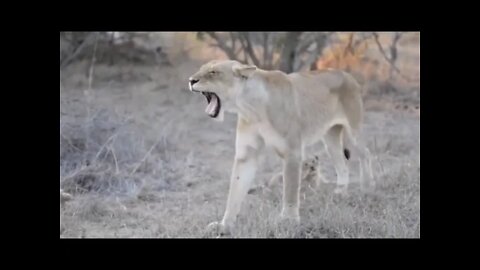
243, 70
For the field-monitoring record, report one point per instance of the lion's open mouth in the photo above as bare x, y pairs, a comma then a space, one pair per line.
214, 104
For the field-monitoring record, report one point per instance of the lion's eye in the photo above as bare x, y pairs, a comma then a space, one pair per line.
213, 72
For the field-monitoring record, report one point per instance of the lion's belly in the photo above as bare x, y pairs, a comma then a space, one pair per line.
315, 134
316, 123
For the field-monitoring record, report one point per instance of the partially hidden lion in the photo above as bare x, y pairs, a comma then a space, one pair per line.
286, 112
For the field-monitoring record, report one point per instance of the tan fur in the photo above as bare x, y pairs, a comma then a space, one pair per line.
288, 113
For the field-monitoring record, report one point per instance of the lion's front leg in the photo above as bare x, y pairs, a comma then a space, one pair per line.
243, 174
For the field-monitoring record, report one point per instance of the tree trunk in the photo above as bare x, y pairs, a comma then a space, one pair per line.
288, 52
393, 51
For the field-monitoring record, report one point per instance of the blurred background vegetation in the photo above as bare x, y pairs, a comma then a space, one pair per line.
139, 158
391, 57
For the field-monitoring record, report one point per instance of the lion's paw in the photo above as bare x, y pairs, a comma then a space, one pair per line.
219, 229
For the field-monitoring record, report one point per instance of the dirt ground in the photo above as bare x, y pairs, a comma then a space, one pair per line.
142, 159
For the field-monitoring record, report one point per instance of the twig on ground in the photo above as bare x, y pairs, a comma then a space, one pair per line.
117, 171
145, 157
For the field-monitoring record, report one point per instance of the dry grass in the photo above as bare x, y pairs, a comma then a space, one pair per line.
147, 162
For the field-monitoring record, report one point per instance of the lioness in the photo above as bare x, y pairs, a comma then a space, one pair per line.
286, 112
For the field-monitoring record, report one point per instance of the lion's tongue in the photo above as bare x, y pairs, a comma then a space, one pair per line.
212, 106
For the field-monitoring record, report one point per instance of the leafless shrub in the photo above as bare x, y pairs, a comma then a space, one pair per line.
287, 51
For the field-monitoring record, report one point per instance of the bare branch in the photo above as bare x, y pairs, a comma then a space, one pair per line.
239, 50
306, 41
303, 44
243, 49
145, 157
288, 51
249, 49
353, 45
222, 45
265, 48
65, 37
380, 47
388, 59
397, 37
320, 42
273, 43
349, 47
393, 47
234, 41
361, 40
92, 65
76, 51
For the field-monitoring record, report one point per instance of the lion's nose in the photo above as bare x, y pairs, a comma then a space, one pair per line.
193, 81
